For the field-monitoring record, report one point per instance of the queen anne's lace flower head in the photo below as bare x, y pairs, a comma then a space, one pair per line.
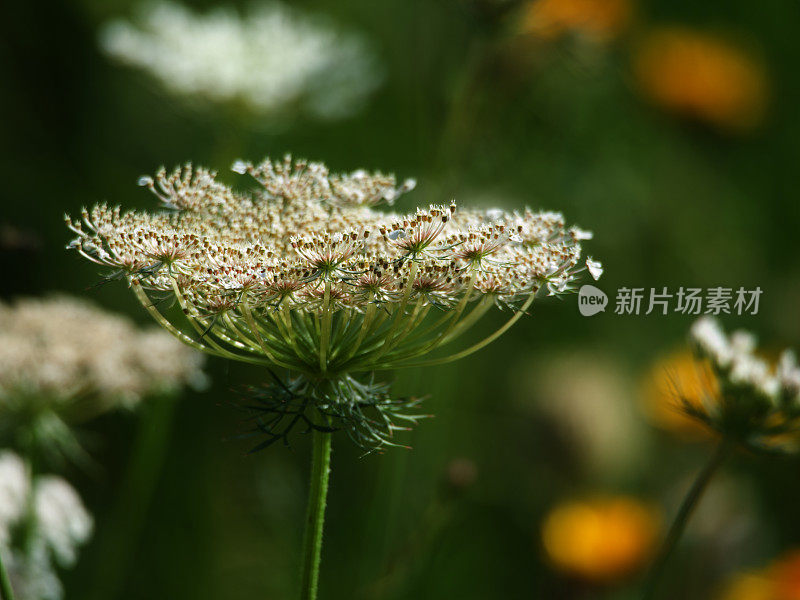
309, 275
272, 59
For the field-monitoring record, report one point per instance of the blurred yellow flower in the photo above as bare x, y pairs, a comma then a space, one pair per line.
601, 539
703, 77
677, 378
779, 581
598, 19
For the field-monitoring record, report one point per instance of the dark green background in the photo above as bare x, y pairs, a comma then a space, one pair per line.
671, 203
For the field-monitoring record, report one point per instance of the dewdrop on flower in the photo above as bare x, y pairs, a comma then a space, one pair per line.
311, 275
273, 58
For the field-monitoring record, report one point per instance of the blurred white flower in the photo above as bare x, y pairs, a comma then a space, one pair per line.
62, 521
59, 525
707, 335
14, 490
751, 401
751, 371
273, 59
33, 575
735, 355
61, 351
789, 374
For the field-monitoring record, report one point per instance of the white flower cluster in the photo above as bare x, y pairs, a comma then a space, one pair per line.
63, 350
758, 403
273, 59
59, 524
309, 273
736, 356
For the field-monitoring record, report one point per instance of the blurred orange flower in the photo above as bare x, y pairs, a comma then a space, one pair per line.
598, 19
779, 581
602, 539
785, 574
703, 77
678, 378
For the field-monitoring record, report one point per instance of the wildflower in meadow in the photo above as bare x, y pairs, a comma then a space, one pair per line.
273, 59
42, 524
309, 275
703, 77
749, 401
602, 539
744, 400
64, 360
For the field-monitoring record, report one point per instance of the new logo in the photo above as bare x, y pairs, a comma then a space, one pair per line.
591, 300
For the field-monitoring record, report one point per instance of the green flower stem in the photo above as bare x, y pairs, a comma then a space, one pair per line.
723, 450
114, 550
6, 592
325, 334
315, 515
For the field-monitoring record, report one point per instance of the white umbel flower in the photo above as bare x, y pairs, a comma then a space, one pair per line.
312, 275
788, 375
14, 489
272, 59
752, 401
62, 521
60, 525
711, 341
62, 348
33, 575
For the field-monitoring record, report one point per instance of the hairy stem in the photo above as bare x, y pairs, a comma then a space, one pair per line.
685, 511
315, 515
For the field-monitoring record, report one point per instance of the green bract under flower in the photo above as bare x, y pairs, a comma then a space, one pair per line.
307, 274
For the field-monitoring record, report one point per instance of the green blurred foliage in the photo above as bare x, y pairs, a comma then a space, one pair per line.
671, 203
